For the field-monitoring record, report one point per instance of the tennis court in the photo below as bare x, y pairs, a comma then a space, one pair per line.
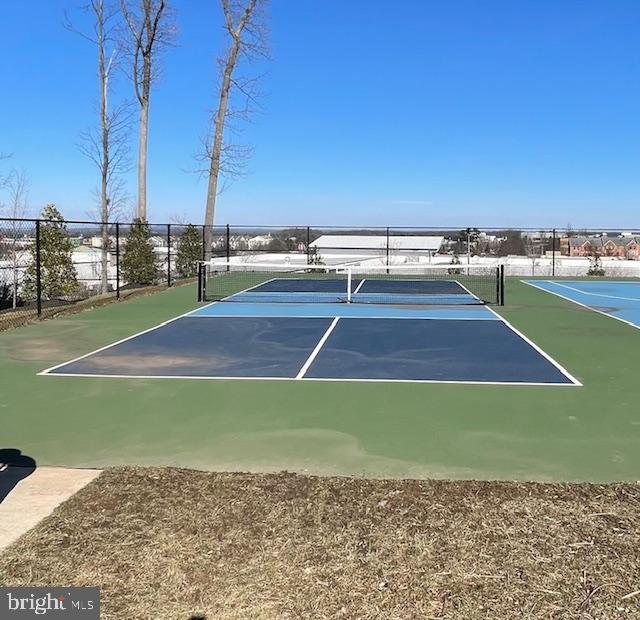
406, 324
615, 298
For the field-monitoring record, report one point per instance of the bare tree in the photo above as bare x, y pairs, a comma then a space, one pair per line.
3, 179
246, 34
120, 203
151, 29
17, 184
106, 146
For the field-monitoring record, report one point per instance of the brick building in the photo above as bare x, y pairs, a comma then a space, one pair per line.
619, 247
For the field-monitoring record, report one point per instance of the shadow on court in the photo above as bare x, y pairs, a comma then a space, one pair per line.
14, 467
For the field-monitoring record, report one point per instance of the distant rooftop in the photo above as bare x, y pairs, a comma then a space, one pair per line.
378, 242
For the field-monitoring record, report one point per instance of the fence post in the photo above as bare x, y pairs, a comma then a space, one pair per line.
117, 260
228, 246
501, 285
553, 253
168, 254
204, 242
38, 271
201, 268
387, 248
308, 245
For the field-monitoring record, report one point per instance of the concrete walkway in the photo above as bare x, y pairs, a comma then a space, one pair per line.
36, 496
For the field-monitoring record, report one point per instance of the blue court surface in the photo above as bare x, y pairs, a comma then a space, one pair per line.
328, 342
615, 298
404, 291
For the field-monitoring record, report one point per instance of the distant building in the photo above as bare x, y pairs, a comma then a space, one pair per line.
367, 246
259, 241
627, 247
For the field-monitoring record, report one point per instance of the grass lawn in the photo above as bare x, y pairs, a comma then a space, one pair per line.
177, 544
589, 433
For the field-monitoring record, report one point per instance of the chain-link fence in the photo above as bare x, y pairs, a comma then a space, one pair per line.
50, 265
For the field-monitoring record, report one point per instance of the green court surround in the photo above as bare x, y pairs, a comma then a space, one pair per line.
381, 429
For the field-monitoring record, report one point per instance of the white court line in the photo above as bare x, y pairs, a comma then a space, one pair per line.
544, 354
319, 346
342, 316
359, 286
247, 289
466, 289
611, 316
326, 379
577, 290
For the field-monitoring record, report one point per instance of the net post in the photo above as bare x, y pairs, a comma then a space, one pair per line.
38, 271
553, 253
228, 246
348, 284
117, 260
168, 254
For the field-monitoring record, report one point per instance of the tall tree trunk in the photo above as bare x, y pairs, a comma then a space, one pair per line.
104, 256
14, 260
144, 138
106, 163
216, 149
142, 160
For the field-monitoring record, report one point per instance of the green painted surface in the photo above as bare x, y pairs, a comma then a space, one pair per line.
374, 429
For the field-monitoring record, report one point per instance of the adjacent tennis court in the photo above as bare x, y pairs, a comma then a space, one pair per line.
615, 298
409, 324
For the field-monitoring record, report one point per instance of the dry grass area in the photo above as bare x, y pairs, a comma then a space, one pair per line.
170, 543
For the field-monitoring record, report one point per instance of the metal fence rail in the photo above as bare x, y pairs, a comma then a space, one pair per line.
34, 284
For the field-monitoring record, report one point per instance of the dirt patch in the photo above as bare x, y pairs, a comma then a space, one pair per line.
39, 349
168, 543
150, 362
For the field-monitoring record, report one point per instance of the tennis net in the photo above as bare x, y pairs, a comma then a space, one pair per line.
394, 284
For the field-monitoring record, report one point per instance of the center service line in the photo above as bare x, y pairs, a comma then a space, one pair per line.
319, 346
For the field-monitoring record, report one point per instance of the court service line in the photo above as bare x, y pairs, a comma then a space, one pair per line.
578, 303
577, 290
319, 346
336, 314
544, 354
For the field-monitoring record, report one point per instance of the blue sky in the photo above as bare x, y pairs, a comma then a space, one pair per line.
422, 112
